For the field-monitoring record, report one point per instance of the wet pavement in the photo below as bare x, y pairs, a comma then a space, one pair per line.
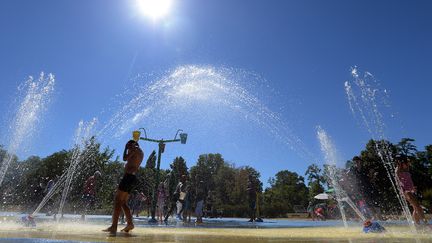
73, 229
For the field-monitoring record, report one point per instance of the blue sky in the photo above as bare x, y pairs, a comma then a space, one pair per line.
303, 49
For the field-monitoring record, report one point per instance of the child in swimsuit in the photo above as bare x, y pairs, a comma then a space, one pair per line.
408, 188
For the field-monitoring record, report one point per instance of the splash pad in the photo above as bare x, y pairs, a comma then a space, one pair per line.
188, 94
214, 230
183, 95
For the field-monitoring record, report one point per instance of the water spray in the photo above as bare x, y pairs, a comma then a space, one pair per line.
32, 105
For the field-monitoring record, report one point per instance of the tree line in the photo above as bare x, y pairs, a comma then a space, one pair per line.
225, 184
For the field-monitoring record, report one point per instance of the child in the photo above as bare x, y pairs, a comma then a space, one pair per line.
187, 208
408, 188
162, 195
373, 227
310, 210
319, 212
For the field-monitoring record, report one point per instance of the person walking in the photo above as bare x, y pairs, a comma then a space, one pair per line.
133, 155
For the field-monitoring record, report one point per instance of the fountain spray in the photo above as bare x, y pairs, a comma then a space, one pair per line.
36, 98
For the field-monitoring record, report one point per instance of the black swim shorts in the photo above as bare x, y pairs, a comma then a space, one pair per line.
127, 183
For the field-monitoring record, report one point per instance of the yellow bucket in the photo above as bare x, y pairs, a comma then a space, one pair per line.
136, 135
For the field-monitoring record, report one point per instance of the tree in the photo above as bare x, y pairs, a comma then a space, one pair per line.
92, 158
179, 167
406, 147
286, 190
372, 176
206, 169
224, 182
421, 173
315, 179
313, 173
368, 178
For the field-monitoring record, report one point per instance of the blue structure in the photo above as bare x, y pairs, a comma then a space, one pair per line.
373, 227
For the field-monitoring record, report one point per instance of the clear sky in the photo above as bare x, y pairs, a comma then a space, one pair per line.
302, 49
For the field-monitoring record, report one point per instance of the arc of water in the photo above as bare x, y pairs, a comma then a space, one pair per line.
192, 83
29, 113
330, 157
79, 154
395, 182
373, 121
199, 85
69, 176
329, 151
339, 196
56, 187
61, 183
353, 206
82, 136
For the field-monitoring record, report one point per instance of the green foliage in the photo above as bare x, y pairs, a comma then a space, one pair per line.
369, 179
286, 191
315, 188
225, 184
406, 147
38, 172
111, 172
315, 180
206, 169
179, 168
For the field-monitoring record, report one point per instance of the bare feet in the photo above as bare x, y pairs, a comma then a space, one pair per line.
110, 230
128, 228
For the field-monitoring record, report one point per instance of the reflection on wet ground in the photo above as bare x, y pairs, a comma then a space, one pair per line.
209, 222
71, 229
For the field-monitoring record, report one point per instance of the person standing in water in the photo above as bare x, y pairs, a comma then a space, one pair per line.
89, 193
310, 210
172, 196
252, 192
47, 190
161, 199
180, 193
187, 205
199, 199
133, 156
408, 188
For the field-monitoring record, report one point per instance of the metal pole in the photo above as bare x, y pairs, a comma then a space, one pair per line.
161, 143
155, 188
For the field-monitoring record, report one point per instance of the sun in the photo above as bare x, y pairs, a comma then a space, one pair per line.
154, 9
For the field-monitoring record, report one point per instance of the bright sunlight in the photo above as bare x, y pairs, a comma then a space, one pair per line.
155, 9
